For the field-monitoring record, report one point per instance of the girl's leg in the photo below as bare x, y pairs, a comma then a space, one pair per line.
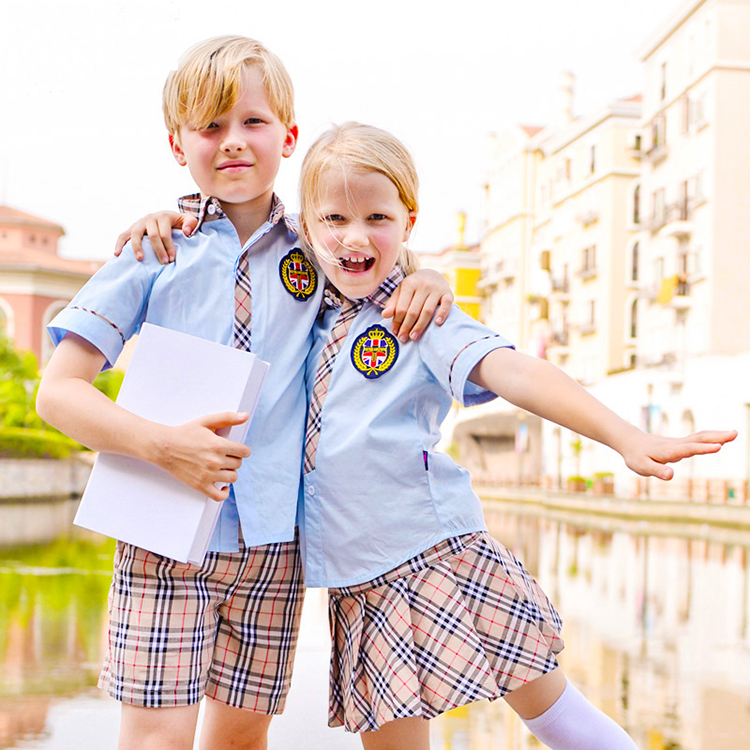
401, 734
560, 717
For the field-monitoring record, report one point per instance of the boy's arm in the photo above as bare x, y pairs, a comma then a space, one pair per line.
543, 389
192, 452
420, 296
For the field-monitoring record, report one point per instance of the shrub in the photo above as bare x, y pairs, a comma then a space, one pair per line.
21, 442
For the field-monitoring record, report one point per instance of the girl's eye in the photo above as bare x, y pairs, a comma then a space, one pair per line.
333, 218
378, 217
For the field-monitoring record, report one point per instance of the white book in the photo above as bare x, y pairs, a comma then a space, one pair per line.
172, 378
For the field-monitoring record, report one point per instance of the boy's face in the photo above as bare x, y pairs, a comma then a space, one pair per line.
358, 230
236, 158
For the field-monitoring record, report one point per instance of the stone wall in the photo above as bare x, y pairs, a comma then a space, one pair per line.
38, 498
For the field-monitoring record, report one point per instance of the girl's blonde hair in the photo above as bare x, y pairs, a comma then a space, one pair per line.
353, 147
208, 82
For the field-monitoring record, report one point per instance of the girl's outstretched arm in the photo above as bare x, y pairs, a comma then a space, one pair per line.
192, 453
543, 389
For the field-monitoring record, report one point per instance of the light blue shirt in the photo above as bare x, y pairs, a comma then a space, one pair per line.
195, 295
380, 493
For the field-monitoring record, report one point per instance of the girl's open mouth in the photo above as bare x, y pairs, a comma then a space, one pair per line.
358, 264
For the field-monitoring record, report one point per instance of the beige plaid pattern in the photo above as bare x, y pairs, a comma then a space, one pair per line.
349, 311
242, 304
226, 629
442, 631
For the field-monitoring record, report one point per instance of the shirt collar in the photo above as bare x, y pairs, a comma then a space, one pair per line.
333, 298
208, 208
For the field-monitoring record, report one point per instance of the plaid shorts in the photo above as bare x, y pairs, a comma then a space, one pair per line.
461, 622
227, 629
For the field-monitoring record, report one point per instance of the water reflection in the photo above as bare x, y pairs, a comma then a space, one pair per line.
656, 627
656, 631
52, 622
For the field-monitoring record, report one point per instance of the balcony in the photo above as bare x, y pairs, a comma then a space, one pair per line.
559, 338
586, 272
676, 221
560, 290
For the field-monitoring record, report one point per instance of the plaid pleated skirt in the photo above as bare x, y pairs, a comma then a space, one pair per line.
461, 622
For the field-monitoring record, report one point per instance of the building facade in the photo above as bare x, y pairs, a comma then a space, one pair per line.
35, 282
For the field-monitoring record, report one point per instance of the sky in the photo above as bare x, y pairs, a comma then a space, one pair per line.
82, 139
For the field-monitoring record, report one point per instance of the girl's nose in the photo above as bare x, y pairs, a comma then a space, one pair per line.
355, 236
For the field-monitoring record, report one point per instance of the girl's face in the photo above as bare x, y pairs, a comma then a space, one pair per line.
358, 229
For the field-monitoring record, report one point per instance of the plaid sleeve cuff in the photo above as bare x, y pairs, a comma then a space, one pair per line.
464, 391
88, 325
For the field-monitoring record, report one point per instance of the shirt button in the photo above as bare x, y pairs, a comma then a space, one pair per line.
311, 490
211, 209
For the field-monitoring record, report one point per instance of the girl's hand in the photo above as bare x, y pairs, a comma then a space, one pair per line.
158, 227
648, 455
415, 301
195, 455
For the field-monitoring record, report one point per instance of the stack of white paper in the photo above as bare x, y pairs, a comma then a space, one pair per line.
172, 378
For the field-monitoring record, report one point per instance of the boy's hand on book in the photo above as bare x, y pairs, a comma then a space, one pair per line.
158, 227
648, 455
195, 455
414, 302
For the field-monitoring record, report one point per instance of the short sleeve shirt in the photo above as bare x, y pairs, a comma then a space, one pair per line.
195, 295
380, 492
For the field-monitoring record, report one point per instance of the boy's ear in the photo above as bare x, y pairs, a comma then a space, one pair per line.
290, 142
178, 153
410, 221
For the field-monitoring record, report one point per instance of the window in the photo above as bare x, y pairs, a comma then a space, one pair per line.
634, 319
634, 263
637, 205
592, 163
685, 123
663, 88
588, 258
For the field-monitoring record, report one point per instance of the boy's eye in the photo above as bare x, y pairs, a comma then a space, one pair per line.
253, 121
212, 126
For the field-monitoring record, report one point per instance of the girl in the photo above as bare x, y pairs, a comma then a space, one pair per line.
428, 612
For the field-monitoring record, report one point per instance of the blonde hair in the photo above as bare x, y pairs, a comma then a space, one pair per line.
208, 82
359, 148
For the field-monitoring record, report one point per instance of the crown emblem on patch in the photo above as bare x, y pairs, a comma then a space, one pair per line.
298, 275
374, 352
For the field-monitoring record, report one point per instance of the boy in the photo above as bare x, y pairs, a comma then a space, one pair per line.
228, 629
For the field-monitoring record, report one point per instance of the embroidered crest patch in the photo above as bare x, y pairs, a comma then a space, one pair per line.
374, 352
298, 275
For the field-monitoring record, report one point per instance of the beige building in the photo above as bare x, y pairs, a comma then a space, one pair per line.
615, 246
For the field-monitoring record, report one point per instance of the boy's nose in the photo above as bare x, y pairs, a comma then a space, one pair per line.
234, 141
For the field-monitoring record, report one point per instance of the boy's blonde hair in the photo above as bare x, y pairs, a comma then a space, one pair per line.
359, 148
208, 82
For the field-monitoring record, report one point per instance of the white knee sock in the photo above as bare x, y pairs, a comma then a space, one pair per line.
572, 723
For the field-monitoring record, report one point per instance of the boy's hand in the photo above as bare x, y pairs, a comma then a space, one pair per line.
648, 455
158, 227
415, 301
195, 455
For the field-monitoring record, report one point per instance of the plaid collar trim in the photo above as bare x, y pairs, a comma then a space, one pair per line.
208, 208
333, 298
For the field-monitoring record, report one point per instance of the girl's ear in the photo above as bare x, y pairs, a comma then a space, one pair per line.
410, 220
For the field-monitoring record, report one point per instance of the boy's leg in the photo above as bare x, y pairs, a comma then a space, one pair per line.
227, 727
157, 728
401, 734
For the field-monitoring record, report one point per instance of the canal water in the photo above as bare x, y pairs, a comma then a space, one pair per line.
656, 624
